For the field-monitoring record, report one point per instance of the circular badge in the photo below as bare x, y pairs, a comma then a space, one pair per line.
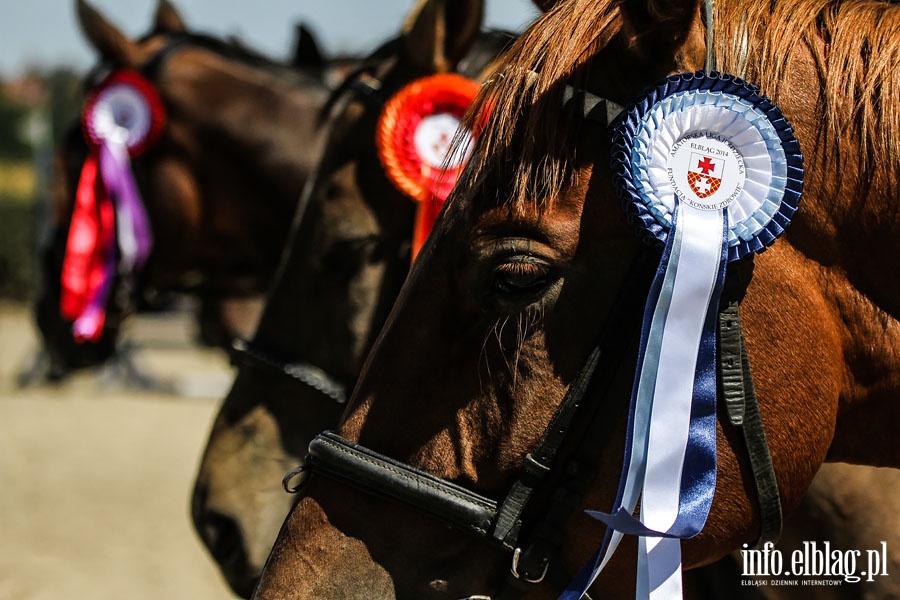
432, 138
124, 109
416, 132
712, 142
706, 171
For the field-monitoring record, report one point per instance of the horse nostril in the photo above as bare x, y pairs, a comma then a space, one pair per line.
225, 543
57, 370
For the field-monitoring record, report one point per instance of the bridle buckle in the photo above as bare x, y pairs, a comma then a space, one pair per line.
514, 569
289, 477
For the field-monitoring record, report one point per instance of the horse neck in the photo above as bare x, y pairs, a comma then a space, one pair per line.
848, 221
258, 122
848, 228
868, 411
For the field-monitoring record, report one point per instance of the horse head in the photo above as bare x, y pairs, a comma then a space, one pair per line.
349, 254
218, 192
487, 351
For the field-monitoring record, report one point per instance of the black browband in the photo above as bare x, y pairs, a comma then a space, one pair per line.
530, 520
153, 67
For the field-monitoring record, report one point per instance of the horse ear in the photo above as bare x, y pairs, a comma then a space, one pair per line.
657, 27
105, 38
168, 19
438, 33
306, 49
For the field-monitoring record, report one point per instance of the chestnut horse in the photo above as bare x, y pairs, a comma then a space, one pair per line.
516, 281
347, 259
220, 186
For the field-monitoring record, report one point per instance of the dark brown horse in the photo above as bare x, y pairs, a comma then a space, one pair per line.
346, 262
220, 186
517, 280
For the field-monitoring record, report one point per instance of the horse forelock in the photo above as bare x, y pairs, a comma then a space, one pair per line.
854, 44
525, 99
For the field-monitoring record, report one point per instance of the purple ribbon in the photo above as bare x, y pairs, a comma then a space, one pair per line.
132, 224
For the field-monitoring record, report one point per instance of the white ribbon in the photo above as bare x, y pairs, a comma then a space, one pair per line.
710, 168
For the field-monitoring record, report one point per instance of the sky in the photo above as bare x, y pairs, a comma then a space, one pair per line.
45, 32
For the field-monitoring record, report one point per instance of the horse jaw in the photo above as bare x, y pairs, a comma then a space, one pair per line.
286, 577
238, 506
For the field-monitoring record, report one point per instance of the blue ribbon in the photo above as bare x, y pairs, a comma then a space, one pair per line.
699, 465
772, 190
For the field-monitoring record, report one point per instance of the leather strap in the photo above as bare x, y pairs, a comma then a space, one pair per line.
380, 475
760, 460
152, 67
742, 407
244, 353
731, 372
586, 444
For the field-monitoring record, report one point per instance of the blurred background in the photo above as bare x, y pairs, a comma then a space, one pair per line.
96, 469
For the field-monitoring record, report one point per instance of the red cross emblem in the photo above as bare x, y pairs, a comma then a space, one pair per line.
705, 174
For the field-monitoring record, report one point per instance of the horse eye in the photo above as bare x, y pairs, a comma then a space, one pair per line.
521, 275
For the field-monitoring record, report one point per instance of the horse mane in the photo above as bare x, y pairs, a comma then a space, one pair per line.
856, 48
233, 49
854, 44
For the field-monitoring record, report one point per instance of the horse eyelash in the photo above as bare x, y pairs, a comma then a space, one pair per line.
525, 321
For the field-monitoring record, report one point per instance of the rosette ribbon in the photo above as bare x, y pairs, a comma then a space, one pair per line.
121, 118
414, 138
710, 170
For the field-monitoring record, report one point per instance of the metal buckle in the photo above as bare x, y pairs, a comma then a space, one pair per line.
514, 569
290, 476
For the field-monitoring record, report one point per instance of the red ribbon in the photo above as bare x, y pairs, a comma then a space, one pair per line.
429, 186
86, 272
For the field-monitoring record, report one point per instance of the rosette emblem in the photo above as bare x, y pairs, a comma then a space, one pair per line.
711, 142
414, 138
711, 172
109, 228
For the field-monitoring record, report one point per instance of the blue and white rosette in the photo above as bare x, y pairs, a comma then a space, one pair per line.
711, 171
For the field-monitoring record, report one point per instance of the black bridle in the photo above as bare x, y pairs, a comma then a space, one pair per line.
365, 84
529, 521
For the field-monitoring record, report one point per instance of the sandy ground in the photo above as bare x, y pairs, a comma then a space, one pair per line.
95, 476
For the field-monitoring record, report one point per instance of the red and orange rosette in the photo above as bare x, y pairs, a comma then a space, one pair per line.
413, 138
